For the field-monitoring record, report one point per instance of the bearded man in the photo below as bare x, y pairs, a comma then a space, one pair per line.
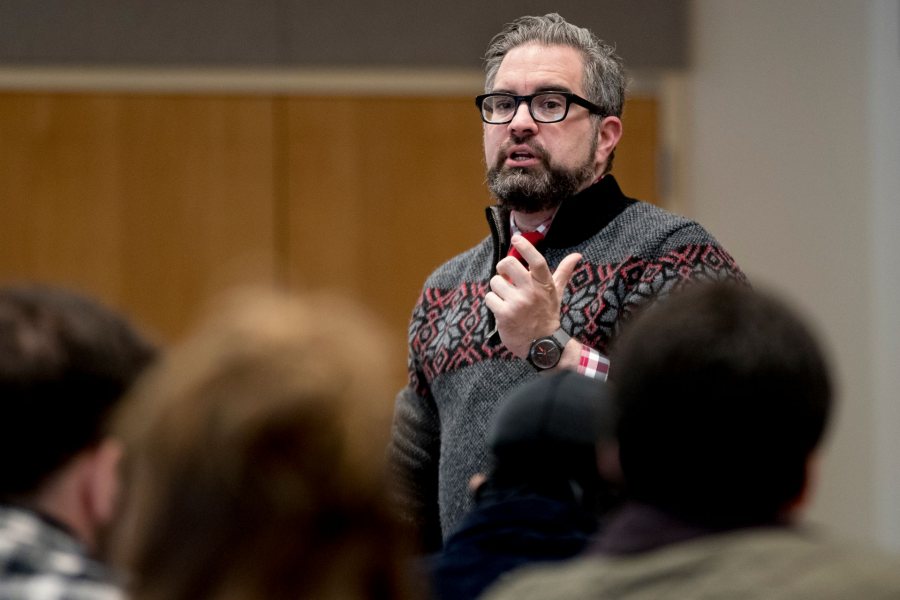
569, 257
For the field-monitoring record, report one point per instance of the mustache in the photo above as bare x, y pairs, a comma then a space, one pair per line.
534, 147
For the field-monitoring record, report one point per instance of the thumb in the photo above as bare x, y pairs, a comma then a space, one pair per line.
564, 271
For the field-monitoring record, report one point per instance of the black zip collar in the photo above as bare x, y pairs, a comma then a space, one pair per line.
577, 219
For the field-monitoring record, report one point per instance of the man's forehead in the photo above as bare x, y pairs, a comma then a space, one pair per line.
534, 67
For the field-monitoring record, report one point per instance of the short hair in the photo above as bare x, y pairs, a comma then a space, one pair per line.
65, 361
604, 73
724, 395
255, 458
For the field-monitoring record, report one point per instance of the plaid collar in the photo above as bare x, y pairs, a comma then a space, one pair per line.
543, 228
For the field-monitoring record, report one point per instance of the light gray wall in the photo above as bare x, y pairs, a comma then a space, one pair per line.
384, 33
884, 128
791, 161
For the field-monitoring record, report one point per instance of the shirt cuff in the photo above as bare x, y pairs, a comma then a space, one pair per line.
593, 364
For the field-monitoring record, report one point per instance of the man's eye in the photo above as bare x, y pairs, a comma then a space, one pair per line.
551, 104
503, 105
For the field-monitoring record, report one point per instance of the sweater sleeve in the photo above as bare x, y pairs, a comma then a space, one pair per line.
415, 452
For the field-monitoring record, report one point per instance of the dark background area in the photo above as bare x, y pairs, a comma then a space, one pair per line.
649, 34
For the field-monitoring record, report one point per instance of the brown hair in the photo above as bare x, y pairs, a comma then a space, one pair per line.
256, 459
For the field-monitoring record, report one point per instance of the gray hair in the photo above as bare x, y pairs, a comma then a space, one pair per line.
604, 73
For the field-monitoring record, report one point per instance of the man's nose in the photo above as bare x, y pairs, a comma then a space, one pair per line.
522, 122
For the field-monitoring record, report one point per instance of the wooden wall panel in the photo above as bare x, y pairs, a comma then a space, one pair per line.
151, 203
199, 187
58, 190
636, 165
382, 190
155, 202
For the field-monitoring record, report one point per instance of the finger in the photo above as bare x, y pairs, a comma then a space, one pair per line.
537, 264
493, 302
513, 271
564, 271
501, 286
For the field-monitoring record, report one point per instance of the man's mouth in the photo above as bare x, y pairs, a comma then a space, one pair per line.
521, 155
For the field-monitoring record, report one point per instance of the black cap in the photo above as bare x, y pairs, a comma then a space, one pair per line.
550, 426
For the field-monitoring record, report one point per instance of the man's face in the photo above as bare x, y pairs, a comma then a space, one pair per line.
533, 166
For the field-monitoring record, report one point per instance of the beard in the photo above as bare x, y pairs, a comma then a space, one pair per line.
535, 189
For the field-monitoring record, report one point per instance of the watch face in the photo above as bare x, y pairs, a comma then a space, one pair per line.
545, 353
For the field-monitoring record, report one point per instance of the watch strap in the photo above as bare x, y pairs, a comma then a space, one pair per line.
561, 337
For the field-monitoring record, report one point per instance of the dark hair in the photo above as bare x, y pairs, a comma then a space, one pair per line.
724, 395
65, 361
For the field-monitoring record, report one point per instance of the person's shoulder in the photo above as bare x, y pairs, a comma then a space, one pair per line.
575, 579
52, 587
645, 220
757, 563
792, 563
472, 264
647, 232
826, 567
40, 560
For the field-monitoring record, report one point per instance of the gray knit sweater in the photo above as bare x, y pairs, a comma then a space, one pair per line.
459, 369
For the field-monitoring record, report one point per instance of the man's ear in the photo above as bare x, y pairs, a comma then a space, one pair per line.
608, 135
804, 498
104, 481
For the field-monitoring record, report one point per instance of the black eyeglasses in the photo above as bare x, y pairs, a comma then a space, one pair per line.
546, 107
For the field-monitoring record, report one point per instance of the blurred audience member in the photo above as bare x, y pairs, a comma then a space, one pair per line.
724, 397
255, 460
65, 362
545, 495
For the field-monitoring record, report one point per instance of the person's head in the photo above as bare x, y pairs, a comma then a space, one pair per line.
533, 165
254, 458
65, 363
724, 395
550, 436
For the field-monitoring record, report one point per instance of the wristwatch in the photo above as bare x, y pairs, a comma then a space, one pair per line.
545, 352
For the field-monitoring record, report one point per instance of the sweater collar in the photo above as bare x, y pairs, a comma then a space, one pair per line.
579, 217
586, 213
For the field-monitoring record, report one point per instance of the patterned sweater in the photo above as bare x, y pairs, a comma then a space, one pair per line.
459, 369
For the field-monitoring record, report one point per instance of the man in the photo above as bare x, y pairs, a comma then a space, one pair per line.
487, 321
724, 396
65, 362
